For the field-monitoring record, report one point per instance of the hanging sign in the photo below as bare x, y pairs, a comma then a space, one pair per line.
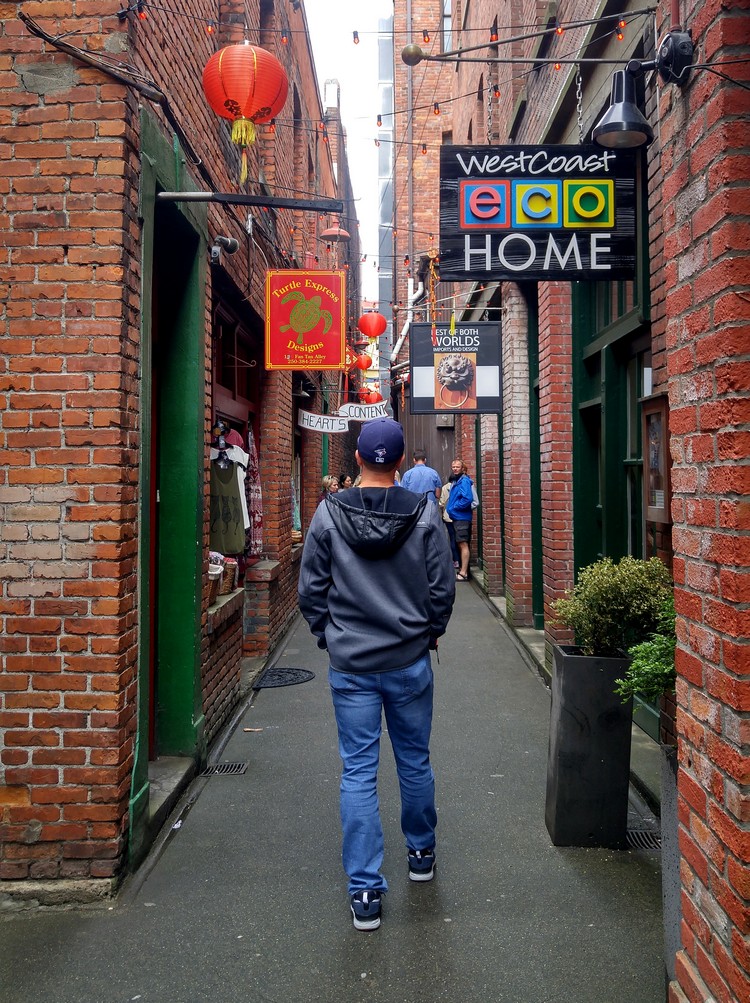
339, 422
456, 371
305, 319
511, 213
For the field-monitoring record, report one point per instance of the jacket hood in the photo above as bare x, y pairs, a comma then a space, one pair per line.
375, 533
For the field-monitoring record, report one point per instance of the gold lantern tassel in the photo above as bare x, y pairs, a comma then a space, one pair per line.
243, 134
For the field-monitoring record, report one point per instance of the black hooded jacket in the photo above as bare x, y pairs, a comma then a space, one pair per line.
376, 583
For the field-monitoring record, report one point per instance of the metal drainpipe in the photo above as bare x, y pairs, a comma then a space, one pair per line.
414, 298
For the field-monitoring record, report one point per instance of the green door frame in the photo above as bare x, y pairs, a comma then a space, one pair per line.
181, 482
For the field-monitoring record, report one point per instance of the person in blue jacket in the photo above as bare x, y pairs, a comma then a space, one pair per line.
462, 501
377, 586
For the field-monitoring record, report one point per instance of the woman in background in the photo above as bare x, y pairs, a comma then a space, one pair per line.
329, 484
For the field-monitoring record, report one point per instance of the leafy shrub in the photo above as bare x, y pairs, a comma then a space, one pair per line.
651, 671
615, 606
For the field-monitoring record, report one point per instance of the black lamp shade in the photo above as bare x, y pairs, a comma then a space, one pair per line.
622, 126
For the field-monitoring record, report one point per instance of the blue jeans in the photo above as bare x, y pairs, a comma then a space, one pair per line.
405, 695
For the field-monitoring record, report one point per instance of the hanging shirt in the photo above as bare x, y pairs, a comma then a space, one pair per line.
240, 459
227, 531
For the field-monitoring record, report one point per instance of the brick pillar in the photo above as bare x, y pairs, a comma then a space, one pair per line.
707, 276
492, 529
516, 458
556, 445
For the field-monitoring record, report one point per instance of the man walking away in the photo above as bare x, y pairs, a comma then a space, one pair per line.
377, 588
422, 479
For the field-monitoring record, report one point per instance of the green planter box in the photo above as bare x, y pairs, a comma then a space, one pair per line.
588, 766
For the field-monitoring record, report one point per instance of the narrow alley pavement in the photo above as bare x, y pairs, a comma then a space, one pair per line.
247, 900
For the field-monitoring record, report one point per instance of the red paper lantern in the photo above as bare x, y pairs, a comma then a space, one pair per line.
372, 397
372, 325
245, 84
363, 362
363, 393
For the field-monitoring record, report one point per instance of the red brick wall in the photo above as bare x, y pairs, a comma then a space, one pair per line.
492, 528
556, 445
707, 277
516, 461
70, 282
68, 411
221, 670
416, 176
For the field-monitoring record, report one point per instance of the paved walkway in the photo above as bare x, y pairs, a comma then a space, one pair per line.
247, 901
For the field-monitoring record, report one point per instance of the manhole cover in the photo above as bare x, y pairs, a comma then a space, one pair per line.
282, 677
644, 839
225, 770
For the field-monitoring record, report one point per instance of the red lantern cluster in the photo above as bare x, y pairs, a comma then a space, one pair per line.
372, 325
363, 362
247, 85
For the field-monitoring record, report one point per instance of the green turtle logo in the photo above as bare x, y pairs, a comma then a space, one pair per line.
305, 315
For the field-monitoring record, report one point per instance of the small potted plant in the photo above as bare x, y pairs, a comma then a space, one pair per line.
612, 607
650, 673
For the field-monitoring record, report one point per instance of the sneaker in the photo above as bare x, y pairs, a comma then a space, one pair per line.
366, 910
422, 865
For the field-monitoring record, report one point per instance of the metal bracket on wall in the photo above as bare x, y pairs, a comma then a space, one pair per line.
268, 201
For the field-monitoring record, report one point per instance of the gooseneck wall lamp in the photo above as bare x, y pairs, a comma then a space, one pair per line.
623, 126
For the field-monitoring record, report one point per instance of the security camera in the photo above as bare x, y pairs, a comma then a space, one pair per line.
229, 244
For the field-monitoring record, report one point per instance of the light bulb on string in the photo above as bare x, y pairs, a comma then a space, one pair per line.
380, 121
425, 36
284, 36
436, 108
210, 28
355, 37
424, 148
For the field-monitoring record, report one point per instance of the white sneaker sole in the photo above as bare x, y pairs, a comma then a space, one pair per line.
422, 875
365, 924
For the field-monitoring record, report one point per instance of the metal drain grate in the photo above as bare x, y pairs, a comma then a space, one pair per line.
277, 676
225, 770
644, 839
